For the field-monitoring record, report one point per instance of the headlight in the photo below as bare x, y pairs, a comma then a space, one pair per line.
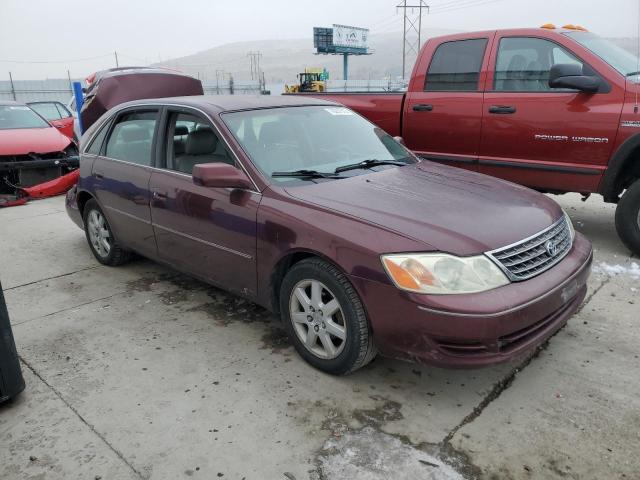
440, 273
572, 231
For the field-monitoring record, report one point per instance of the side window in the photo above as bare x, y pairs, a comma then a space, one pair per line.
523, 64
192, 140
64, 112
456, 66
47, 110
96, 144
131, 138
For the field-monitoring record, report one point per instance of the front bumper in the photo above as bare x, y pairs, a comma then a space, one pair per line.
68, 162
478, 329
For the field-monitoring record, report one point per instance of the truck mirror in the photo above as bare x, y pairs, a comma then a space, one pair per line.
570, 75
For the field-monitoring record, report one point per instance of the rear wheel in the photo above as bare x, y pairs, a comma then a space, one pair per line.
628, 218
100, 237
324, 318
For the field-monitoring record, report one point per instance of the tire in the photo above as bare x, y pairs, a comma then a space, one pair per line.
312, 331
628, 218
112, 255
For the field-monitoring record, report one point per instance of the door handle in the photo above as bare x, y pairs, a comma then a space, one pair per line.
502, 109
422, 107
159, 195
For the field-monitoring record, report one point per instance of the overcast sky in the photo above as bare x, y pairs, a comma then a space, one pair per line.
144, 31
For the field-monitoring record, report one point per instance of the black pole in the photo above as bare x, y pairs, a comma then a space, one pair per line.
11, 380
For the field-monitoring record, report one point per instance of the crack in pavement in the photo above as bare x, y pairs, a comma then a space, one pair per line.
51, 278
68, 308
504, 383
119, 454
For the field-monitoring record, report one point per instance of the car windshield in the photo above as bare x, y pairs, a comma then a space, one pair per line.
20, 116
622, 60
313, 139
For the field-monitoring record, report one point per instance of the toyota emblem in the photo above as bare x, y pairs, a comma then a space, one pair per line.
552, 248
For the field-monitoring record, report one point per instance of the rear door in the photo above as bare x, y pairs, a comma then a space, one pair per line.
120, 177
442, 115
209, 232
552, 139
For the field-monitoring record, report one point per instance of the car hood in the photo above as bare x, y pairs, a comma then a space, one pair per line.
32, 140
448, 209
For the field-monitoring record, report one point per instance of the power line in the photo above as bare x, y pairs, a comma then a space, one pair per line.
462, 6
57, 61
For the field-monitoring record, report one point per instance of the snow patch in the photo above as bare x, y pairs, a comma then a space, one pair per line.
633, 270
368, 454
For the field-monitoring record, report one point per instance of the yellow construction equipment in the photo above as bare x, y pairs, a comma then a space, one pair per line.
311, 80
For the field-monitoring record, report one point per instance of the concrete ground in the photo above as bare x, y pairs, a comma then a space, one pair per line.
139, 372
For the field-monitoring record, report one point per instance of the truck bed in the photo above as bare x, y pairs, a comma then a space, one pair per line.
382, 108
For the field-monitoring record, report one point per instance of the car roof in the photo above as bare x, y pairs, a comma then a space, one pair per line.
227, 103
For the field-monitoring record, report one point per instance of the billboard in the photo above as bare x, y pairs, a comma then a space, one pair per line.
354, 37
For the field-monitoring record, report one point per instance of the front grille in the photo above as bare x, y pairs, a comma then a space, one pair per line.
536, 254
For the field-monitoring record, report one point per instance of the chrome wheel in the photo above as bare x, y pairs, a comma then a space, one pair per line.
99, 234
318, 319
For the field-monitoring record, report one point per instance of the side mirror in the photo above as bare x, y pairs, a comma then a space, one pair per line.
220, 175
570, 75
400, 140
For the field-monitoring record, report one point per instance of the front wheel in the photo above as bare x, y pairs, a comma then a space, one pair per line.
100, 237
324, 318
628, 218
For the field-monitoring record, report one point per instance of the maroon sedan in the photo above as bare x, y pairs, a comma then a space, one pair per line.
308, 209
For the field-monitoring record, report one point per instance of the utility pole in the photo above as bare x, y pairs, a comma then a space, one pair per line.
115, 54
13, 89
412, 28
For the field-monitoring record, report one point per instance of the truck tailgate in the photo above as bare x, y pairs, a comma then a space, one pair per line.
383, 109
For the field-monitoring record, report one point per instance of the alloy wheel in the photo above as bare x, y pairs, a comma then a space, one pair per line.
99, 234
318, 319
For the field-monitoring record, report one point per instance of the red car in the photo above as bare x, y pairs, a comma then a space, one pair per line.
555, 109
32, 151
308, 209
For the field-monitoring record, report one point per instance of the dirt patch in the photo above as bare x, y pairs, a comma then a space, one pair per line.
277, 340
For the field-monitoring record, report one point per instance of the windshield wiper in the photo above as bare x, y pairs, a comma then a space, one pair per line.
307, 174
632, 74
369, 164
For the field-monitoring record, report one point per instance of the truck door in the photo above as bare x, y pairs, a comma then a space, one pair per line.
443, 108
551, 139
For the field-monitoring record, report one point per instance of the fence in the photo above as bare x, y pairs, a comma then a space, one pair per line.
61, 90
366, 85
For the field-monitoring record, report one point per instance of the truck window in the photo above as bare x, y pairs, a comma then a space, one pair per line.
523, 64
456, 66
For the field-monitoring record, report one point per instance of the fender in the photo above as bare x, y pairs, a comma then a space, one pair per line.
610, 187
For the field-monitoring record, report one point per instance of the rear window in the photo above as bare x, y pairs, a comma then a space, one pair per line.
456, 66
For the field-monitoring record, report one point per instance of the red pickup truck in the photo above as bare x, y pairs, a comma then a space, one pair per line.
553, 109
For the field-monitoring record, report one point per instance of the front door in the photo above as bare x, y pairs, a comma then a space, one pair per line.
442, 118
121, 178
209, 232
555, 139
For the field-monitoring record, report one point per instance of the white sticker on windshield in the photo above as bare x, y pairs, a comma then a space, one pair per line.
339, 111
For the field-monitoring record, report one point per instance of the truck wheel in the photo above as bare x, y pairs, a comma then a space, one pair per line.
324, 318
102, 243
628, 218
